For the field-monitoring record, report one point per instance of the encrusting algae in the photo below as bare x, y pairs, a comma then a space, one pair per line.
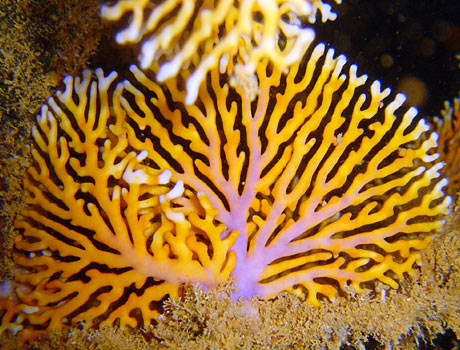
154, 212
37, 50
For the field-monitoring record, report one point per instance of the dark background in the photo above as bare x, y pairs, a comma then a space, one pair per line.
409, 45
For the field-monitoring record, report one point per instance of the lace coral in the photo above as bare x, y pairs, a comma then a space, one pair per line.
177, 33
313, 186
325, 186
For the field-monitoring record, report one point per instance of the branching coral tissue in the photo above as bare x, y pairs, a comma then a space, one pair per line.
193, 37
320, 182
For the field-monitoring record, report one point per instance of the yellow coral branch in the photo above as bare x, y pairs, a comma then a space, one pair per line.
320, 178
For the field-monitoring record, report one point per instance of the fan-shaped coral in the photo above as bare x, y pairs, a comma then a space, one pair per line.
312, 186
197, 36
325, 187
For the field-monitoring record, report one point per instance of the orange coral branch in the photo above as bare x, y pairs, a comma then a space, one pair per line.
105, 235
448, 128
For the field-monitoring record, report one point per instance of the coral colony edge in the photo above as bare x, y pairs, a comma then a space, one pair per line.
314, 182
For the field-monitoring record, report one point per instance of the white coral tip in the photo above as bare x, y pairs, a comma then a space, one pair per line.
164, 177
176, 191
